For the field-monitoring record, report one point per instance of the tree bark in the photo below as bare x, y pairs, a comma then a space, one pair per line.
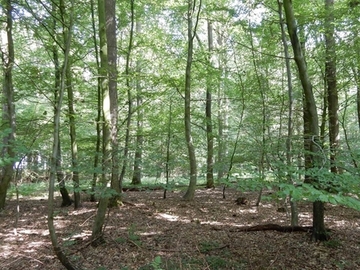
289, 159
106, 151
330, 76
61, 179
129, 96
71, 115
136, 179
319, 231
190, 193
54, 156
208, 112
113, 95
8, 109
99, 110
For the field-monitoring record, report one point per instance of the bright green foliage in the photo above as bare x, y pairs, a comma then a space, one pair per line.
248, 71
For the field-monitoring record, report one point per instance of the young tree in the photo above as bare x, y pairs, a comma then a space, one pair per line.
54, 156
289, 159
208, 113
330, 78
136, 179
108, 73
71, 114
319, 231
191, 30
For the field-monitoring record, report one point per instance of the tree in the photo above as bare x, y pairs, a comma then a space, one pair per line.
58, 102
7, 155
319, 231
208, 112
108, 73
71, 114
66, 200
136, 179
289, 160
189, 195
330, 78
129, 95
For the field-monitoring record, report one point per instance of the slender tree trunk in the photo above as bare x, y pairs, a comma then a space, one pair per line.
189, 195
58, 102
69, 87
8, 108
221, 119
289, 158
99, 111
319, 231
330, 75
61, 179
106, 118
209, 125
129, 96
260, 81
168, 141
136, 179
113, 95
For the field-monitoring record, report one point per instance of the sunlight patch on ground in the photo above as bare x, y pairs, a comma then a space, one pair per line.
33, 232
251, 210
81, 211
172, 218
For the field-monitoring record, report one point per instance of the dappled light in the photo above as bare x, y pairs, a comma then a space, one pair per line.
177, 230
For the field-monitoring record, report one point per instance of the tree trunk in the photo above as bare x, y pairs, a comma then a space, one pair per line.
128, 90
189, 195
71, 114
99, 111
108, 69
330, 76
8, 108
209, 129
289, 159
106, 151
54, 156
319, 232
136, 179
112, 73
168, 141
66, 200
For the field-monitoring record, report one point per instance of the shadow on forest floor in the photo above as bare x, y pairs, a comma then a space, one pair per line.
151, 233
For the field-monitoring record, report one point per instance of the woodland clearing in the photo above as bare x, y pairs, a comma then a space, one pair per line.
148, 232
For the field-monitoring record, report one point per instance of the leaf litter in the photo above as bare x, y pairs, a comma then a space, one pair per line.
148, 232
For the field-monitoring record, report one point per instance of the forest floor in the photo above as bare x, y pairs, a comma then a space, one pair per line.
148, 232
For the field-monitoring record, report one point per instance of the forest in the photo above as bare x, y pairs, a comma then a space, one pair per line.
180, 134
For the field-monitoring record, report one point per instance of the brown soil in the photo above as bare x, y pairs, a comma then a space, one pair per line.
151, 233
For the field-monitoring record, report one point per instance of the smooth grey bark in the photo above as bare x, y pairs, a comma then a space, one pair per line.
190, 192
110, 18
60, 176
136, 178
319, 231
105, 106
208, 114
330, 77
54, 156
8, 107
289, 159
71, 114
129, 96
97, 166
